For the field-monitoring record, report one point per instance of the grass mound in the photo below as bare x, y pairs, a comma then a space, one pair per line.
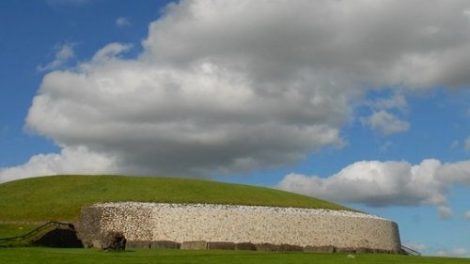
62, 197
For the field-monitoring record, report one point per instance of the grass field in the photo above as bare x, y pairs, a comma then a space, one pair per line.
78, 256
11, 230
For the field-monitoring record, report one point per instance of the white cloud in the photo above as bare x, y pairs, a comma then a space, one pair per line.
70, 160
457, 172
456, 252
63, 54
213, 93
123, 22
467, 215
397, 101
386, 123
460, 252
375, 183
388, 183
382, 120
108, 52
444, 212
328, 36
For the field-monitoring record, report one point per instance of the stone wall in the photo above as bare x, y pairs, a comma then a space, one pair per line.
308, 228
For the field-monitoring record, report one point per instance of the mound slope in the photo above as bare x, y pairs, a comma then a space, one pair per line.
62, 197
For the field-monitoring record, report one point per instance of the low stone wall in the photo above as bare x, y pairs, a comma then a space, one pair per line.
256, 225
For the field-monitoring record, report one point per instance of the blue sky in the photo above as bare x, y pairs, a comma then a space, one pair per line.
31, 32
320, 98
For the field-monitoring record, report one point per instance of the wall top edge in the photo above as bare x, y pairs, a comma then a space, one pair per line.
282, 210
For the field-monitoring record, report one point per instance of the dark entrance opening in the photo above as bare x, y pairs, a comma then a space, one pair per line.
59, 238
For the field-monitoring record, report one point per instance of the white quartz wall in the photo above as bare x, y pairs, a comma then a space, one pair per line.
232, 223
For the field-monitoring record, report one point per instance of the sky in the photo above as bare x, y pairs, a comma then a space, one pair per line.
364, 102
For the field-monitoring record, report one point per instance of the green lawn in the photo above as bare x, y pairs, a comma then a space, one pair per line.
61, 197
11, 230
77, 256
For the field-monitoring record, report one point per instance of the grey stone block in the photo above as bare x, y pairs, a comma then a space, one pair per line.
287, 247
346, 250
138, 244
165, 244
245, 246
221, 245
267, 247
196, 245
113, 241
320, 249
364, 250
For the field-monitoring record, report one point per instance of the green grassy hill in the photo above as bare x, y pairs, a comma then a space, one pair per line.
62, 197
24, 203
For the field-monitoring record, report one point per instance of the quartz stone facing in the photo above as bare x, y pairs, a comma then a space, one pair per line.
199, 226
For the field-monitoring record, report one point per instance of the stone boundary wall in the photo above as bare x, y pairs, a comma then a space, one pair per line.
250, 225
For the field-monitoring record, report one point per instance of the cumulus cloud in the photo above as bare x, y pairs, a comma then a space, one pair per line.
397, 101
388, 183
385, 123
122, 22
63, 53
324, 36
212, 93
69, 160
457, 172
179, 121
375, 183
382, 119
108, 54
456, 252
444, 212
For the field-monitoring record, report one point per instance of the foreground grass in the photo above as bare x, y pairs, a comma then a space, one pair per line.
78, 256
61, 197
11, 230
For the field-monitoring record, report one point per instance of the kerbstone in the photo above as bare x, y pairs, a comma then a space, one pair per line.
198, 245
